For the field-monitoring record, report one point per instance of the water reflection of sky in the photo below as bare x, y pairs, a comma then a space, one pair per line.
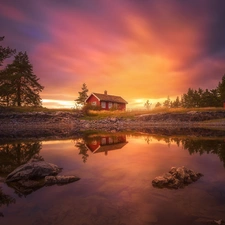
116, 188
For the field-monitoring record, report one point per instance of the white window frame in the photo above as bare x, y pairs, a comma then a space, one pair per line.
103, 105
110, 105
103, 141
110, 140
94, 103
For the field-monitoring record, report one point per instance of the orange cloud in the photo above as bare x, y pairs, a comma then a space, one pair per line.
139, 52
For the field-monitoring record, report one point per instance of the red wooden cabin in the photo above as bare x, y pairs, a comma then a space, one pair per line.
106, 102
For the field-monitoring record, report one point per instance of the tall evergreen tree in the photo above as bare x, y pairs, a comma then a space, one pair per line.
199, 94
5, 52
221, 90
6, 90
215, 101
176, 103
19, 85
147, 105
167, 102
158, 104
82, 95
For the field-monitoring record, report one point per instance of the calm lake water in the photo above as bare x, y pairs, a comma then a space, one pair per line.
116, 181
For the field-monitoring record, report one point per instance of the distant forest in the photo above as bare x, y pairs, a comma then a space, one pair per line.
198, 98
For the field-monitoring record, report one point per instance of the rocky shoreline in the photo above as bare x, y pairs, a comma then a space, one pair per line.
71, 123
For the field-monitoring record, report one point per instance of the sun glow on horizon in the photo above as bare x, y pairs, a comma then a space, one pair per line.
53, 103
133, 104
139, 103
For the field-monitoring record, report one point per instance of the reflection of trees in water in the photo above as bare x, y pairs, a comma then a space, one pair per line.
195, 145
148, 139
15, 154
5, 200
80, 144
201, 146
206, 146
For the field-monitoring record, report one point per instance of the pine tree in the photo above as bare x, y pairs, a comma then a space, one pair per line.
158, 104
82, 95
5, 52
221, 90
176, 103
6, 90
167, 102
147, 105
19, 85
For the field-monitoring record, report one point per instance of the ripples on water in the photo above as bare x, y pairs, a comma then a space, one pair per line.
115, 188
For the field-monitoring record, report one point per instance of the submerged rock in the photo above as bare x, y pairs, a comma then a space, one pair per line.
176, 178
33, 170
25, 187
205, 221
219, 222
36, 174
60, 180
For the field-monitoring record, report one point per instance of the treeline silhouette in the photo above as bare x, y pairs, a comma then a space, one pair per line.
199, 98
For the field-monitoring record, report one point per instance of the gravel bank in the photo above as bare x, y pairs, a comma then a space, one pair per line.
70, 123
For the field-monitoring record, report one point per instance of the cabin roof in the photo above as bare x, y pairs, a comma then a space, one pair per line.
106, 148
109, 98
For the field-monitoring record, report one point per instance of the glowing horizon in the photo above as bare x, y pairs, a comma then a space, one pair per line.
132, 104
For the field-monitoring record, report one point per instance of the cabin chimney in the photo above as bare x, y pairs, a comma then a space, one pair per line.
105, 92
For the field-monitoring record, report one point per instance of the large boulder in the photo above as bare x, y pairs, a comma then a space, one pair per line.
176, 178
33, 170
25, 187
36, 174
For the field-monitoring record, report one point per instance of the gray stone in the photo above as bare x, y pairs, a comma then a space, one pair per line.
219, 222
33, 170
160, 181
36, 174
181, 173
176, 178
113, 119
25, 187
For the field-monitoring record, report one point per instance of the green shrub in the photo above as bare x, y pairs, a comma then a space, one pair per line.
86, 109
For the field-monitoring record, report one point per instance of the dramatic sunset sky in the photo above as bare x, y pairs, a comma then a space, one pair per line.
138, 49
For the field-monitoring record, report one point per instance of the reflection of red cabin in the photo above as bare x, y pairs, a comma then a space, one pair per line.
107, 102
106, 143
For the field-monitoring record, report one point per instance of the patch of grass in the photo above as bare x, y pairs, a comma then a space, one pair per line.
93, 115
101, 114
25, 109
106, 114
184, 110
